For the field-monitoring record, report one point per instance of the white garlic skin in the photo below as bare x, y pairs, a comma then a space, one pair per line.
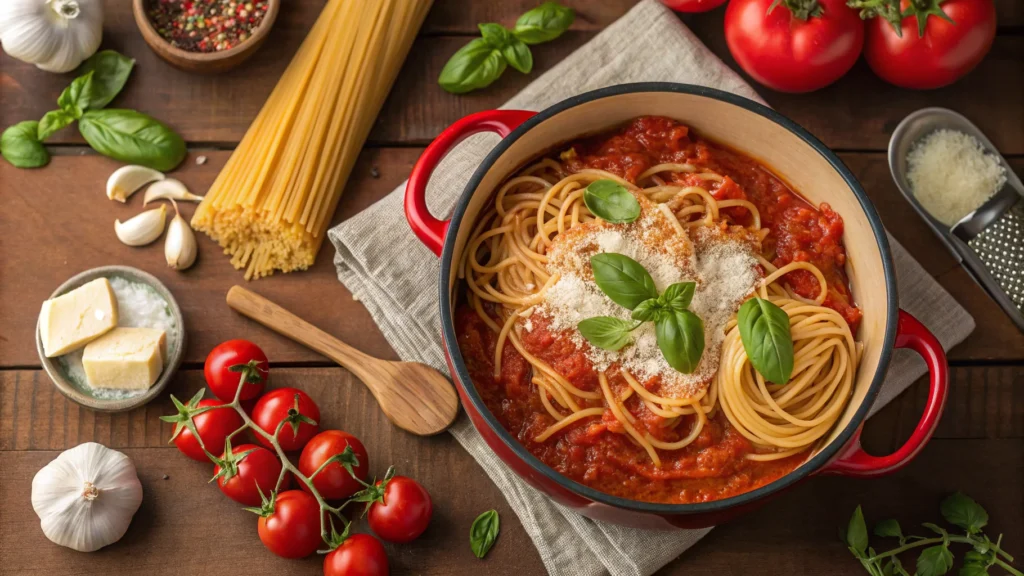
86, 497
143, 228
180, 246
55, 35
169, 189
127, 179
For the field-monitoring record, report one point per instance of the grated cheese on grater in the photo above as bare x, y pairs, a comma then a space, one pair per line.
725, 269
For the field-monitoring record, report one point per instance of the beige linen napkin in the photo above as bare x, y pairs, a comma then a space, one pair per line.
395, 276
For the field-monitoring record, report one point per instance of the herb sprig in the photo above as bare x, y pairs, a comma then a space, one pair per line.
937, 559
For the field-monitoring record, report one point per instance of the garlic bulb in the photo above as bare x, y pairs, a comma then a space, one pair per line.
180, 245
127, 179
86, 497
55, 35
142, 229
169, 189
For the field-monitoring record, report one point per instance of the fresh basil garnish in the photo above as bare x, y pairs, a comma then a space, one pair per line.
495, 34
544, 23
648, 310
610, 201
20, 145
678, 296
110, 73
961, 510
484, 532
518, 55
132, 137
680, 336
76, 98
764, 330
606, 332
52, 121
623, 279
475, 65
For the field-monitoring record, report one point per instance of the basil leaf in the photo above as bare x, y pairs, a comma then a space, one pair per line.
623, 279
888, 529
606, 332
934, 561
75, 99
474, 66
961, 510
610, 201
544, 23
20, 145
484, 532
496, 35
857, 532
764, 329
678, 296
518, 55
52, 121
681, 339
132, 137
110, 73
648, 310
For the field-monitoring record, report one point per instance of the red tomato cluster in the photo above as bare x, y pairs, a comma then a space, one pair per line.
398, 508
804, 45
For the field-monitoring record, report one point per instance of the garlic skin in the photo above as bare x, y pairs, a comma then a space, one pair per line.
55, 35
142, 229
86, 497
180, 246
126, 180
169, 189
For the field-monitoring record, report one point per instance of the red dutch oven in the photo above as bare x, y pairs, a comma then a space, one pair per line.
760, 132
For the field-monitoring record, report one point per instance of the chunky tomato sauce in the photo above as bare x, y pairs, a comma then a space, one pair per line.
594, 451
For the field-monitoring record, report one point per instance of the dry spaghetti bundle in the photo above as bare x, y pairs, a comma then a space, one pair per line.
271, 204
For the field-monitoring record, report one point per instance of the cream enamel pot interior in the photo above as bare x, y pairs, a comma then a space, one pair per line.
789, 151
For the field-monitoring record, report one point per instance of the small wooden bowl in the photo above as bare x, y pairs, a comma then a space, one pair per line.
203, 62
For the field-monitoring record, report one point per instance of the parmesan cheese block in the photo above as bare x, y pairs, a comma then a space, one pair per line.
125, 359
70, 321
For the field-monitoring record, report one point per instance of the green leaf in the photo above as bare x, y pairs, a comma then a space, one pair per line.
679, 295
475, 65
764, 330
934, 561
20, 145
132, 137
888, 529
484, 532
681, 339
648, 310
496, 35
623, 279
611, 202
52, 121
961, 510
606, 332
544, 23
857, 532
973, 570
76, 98
110, 73
518, 55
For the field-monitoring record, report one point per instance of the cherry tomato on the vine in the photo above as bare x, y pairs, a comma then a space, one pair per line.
213, 426
243, 480
693, 5
358, 555
333, 482
403, 512
243, 356
280, 404
292, 530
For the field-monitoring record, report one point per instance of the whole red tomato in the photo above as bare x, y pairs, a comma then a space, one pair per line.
292, 529
940, 54
334, 482
358, 555
242, 356
213, 426
243, 479
403, 512
797, 46
289, 404
693, 5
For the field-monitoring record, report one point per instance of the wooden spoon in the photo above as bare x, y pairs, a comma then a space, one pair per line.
414, 396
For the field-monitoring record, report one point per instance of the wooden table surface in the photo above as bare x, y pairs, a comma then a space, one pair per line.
56, 222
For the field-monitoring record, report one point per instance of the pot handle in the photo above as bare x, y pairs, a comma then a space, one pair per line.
428, 229
910, 333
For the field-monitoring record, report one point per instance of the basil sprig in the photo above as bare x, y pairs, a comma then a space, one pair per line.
483, 60
125, 135
680, 332
764, 330
484, 532
611, 202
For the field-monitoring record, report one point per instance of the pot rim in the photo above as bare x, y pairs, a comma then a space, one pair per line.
461, 375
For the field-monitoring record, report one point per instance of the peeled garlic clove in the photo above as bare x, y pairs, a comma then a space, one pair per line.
126, 180
142, 229
180, 245
169, 189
